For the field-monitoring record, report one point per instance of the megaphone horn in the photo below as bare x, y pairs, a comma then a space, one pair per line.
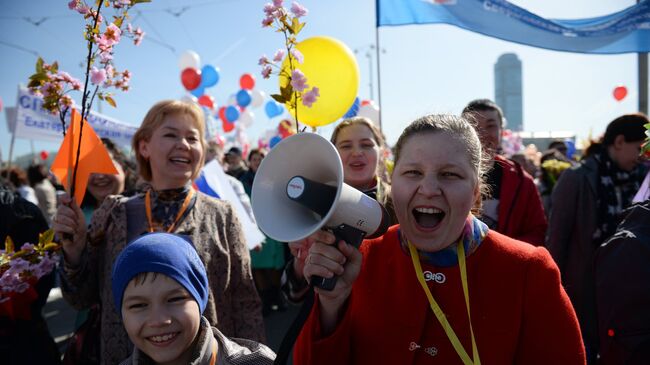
299, 188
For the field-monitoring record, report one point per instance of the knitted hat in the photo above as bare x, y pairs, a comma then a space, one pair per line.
168, 254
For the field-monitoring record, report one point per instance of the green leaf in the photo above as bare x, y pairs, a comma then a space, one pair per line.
55, 67
286, 25
9, 245
46, 237
279, 98
294, 25
118, 21
100, 96
110, 100
286, 91
133, 2
39, 65
299, 28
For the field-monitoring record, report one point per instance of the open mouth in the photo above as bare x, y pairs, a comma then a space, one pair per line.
164, 339
357, 165
428, 217
179, 160
101, 182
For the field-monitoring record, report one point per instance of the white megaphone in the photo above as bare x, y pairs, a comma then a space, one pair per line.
299, 189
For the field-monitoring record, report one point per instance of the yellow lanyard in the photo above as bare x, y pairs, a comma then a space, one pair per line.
147, 204
460, 251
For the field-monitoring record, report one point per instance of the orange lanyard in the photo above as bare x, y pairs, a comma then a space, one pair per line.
147, 204
213, 359
440, 315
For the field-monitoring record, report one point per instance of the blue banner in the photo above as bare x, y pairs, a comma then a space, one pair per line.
623, 32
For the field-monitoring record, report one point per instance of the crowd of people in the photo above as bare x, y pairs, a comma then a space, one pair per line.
534, 258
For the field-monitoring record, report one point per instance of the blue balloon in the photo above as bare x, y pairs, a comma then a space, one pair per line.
275, 140
354, 109
244, 98
273, 109
232, 113
198, 92
570, 147
209, 76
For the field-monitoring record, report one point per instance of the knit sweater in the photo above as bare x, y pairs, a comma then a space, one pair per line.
520, 312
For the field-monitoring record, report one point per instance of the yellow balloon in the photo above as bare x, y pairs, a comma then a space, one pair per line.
332, 68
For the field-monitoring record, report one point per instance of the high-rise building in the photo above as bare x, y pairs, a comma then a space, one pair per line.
508, 91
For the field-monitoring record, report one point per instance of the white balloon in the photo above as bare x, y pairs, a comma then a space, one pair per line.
258, 97
246, 118
189, 98
189, 59
370, 111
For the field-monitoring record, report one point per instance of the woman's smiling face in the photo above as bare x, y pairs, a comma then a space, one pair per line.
360, 155
434, 187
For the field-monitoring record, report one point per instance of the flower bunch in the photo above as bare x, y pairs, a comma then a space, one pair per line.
553, 168
101, 37
19, 270
288, 22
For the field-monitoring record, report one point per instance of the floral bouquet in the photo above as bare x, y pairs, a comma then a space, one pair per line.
553, 168
20, 270
645, 149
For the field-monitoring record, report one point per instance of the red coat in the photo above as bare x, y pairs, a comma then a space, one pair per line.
520, 312
521, 212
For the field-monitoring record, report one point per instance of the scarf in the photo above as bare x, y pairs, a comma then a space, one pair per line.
165, 205
616, 188
472, 236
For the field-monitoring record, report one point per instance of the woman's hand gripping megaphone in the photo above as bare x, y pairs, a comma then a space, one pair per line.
334, 260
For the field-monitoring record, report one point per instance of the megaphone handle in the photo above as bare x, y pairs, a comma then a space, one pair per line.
352, 236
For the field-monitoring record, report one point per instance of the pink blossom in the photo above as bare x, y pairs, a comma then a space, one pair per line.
27, 247
72, 5
263, 60
269, 9
297, 55
105, 56
310, 97
267, 22
66, 102
298, 10
266, 72
110, 71
97, 76
298, 81
279, 55
277, 3
129, 28
126, 75
112, 34
49, 88
139, 36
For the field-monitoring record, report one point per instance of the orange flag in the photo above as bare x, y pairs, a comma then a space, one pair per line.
94, 157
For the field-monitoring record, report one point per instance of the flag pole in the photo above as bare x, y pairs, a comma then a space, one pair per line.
71, 132
377, 49
643, 80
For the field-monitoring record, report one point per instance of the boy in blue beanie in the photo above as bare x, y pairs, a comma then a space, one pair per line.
161, 287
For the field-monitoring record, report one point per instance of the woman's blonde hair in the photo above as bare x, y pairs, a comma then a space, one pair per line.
378, 136
154, 119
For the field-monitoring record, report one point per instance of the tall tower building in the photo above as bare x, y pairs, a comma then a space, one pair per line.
508, 91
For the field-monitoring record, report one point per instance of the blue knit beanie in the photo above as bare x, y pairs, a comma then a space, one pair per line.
168, 254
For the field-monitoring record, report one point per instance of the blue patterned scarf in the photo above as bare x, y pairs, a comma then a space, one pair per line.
473, 234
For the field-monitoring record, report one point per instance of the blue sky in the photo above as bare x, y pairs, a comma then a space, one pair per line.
425, 68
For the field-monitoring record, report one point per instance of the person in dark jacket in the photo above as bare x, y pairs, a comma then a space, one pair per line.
25, 341
586, 203
623, 290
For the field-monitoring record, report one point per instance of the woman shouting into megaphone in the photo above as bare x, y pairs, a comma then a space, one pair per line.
439, 287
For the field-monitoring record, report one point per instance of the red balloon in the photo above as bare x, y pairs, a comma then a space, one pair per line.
191, 78
620, 92
222, 114
247, 82
227, 126
366, 102
220, 140
44, 155
207, 101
